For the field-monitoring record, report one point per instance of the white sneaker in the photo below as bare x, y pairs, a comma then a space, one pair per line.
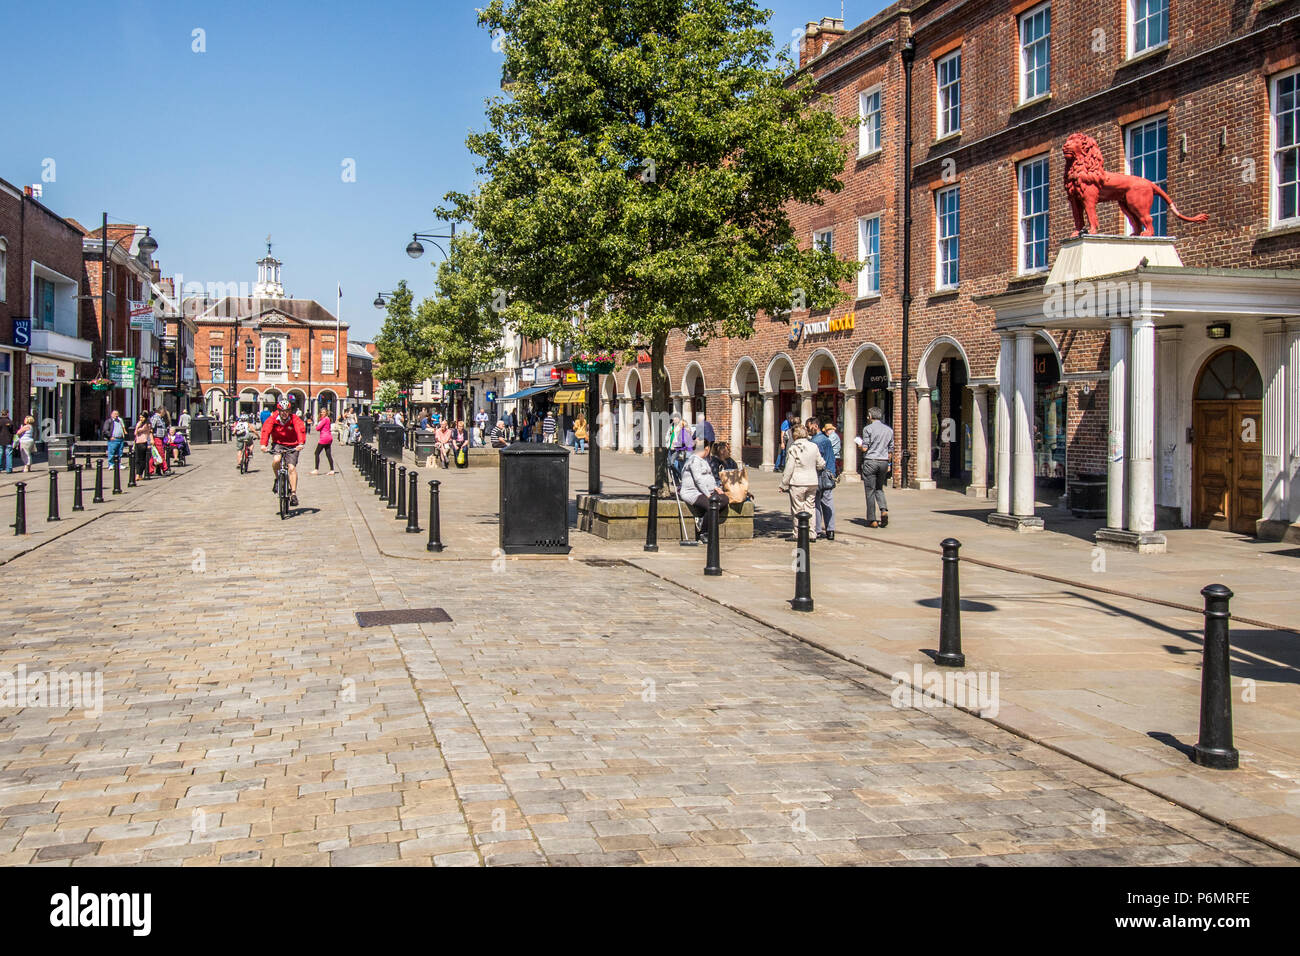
315, 472
331, 472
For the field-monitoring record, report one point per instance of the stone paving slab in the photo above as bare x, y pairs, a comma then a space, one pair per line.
247, 720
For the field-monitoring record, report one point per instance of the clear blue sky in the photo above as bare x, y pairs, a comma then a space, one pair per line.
215, 150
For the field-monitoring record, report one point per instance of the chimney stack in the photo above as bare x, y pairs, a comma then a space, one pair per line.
818, 37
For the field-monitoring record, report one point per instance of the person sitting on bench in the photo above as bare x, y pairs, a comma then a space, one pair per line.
699, 487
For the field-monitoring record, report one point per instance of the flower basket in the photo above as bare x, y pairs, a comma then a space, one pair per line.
101, 384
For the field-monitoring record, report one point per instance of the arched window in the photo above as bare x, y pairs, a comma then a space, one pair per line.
1228, 376
273, 355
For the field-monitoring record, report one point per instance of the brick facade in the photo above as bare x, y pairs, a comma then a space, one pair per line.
1210, 83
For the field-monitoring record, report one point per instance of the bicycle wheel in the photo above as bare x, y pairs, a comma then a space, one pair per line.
284, 497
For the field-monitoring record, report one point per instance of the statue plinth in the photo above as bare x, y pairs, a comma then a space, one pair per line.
1089, 257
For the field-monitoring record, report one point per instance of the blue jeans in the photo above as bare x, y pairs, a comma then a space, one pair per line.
9, 458
115, 450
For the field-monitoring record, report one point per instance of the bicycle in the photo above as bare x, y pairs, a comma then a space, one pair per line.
245, 457
282, 486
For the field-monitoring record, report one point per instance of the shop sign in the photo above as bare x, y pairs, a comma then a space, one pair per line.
22, 333
45, 376
1046, 371
528, 374
642, 358
142, 316
122, 372
875, 376
491, 396
218, 376
825, 327
573, 378
167, 367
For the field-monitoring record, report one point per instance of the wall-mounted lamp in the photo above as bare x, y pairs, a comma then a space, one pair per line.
1085, 390
1218, 330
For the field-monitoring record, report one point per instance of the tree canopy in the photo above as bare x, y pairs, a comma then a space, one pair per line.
637, 171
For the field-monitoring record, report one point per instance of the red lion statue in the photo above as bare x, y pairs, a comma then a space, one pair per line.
1087, 183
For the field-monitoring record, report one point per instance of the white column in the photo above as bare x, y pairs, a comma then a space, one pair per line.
625, 426
1142, 424
979, 450
1022, 454
769, 431
805, 406
924, 464
1274, 423
606, 433
1169, 430
1115, 446
677, 404
1006, 392
1293, 421
737, 437
851, 430
688, 410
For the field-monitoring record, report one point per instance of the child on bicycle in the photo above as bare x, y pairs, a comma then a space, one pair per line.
243, 441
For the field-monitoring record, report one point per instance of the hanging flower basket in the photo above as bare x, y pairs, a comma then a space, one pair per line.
101, 384
602, 362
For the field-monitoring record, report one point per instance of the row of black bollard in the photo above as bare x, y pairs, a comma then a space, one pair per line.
401, 493
391, 484
77, 504
99, 483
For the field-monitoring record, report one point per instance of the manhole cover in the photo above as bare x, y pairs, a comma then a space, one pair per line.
605, 562
415, 615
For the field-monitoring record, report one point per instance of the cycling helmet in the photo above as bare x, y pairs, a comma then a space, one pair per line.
283, 404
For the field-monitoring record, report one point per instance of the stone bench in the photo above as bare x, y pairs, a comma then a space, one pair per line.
624, 519
478, 458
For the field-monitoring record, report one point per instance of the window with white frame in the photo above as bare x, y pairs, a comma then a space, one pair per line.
1035, 52
327, 361
947, 76
871, 118
824, 240
1286, 147
1148, 157
947, 207
869, 256
272, 355
4, 267
250, 358
1148, 25
297, 360
216, 358
1033, 214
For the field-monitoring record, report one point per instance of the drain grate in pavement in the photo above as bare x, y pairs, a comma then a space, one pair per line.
414, 615
604, 562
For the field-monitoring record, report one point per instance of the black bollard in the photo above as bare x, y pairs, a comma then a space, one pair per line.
413, 505
381, 472
652, 521
950, 654
370, 467
130, 480
391, 484
1214, 748
77, 503
713, 566
435, 520
20, 517
803, 573
401, 492
99, 483
54, 496
117, 478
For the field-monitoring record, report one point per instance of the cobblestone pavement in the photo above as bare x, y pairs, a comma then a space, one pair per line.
572, 712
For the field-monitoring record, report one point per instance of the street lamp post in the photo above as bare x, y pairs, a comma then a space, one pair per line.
415, 248
148, 246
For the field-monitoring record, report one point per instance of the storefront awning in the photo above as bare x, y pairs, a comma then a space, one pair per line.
530, 392
566, 396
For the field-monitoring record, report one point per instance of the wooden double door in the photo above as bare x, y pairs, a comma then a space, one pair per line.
1228, 478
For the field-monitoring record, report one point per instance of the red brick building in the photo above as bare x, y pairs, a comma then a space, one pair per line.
252, 350
1199, 97
40, 341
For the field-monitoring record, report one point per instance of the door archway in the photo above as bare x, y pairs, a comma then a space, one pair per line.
1227, 478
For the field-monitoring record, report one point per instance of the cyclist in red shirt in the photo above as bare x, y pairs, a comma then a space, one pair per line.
285, 433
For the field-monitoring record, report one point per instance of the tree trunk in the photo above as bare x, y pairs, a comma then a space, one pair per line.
659, 406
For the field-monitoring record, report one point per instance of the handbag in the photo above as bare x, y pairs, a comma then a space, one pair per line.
157, 455
826, 481
460, 457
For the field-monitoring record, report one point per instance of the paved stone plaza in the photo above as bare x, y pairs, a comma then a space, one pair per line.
574, 711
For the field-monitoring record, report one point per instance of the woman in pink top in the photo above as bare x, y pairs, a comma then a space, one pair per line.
324, 441
442, 440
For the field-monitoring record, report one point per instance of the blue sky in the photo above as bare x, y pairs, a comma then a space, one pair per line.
214, 150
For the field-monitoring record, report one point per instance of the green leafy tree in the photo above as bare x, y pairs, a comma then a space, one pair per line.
404, 357
637, 173
462, 324
388, 395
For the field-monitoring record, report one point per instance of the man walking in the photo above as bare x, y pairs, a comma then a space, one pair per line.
877, 444
548, 427
7, 440
115, 433
785, 440
481, 420
824, 503
704, 429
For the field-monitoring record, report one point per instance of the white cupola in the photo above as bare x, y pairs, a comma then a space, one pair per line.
268, 276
